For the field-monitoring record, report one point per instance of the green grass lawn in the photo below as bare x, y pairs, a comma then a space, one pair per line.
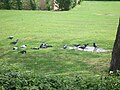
90, 22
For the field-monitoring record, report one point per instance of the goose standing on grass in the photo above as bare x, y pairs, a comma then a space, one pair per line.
23, 46
43, 45
65, 46
84, 46
23, 51
77, 45
11, 37
15, 48
48, 46
95, 46
35, 48
14, 42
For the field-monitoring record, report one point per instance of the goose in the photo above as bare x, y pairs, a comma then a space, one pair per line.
111, 72
15, 48
65, 46
23, 46
43, 45
14, 42
23, 51
84, 46
76, 45
48, 45
95, 45
35, 48
11, 37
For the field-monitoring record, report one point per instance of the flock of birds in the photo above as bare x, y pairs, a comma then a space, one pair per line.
81, 47
43, 45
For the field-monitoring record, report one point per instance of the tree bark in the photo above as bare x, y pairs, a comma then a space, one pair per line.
115, 61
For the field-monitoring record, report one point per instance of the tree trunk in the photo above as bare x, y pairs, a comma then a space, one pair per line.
115, 62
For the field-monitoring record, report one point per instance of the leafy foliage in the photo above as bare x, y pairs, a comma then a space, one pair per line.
48, 5
12, 80
11, 4
33, 4
6, 4
16, 4
66, 4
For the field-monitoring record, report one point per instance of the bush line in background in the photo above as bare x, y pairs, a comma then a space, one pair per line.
35, 4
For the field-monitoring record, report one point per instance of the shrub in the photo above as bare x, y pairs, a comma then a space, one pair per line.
11, 4
33, 4
16, 4
1, 4
66, 4
14, 80
48, 5
19, 4
26, 5
6, 4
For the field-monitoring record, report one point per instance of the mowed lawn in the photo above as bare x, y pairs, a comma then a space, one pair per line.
88, 23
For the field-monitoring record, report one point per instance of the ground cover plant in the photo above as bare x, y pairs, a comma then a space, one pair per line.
55, 67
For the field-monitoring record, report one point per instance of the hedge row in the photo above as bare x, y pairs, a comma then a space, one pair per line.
66, 4
35, 4
18, 4
13, 80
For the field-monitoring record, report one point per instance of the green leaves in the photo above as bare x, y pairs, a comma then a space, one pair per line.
13, 80
66, 4
33, 4
11, 4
